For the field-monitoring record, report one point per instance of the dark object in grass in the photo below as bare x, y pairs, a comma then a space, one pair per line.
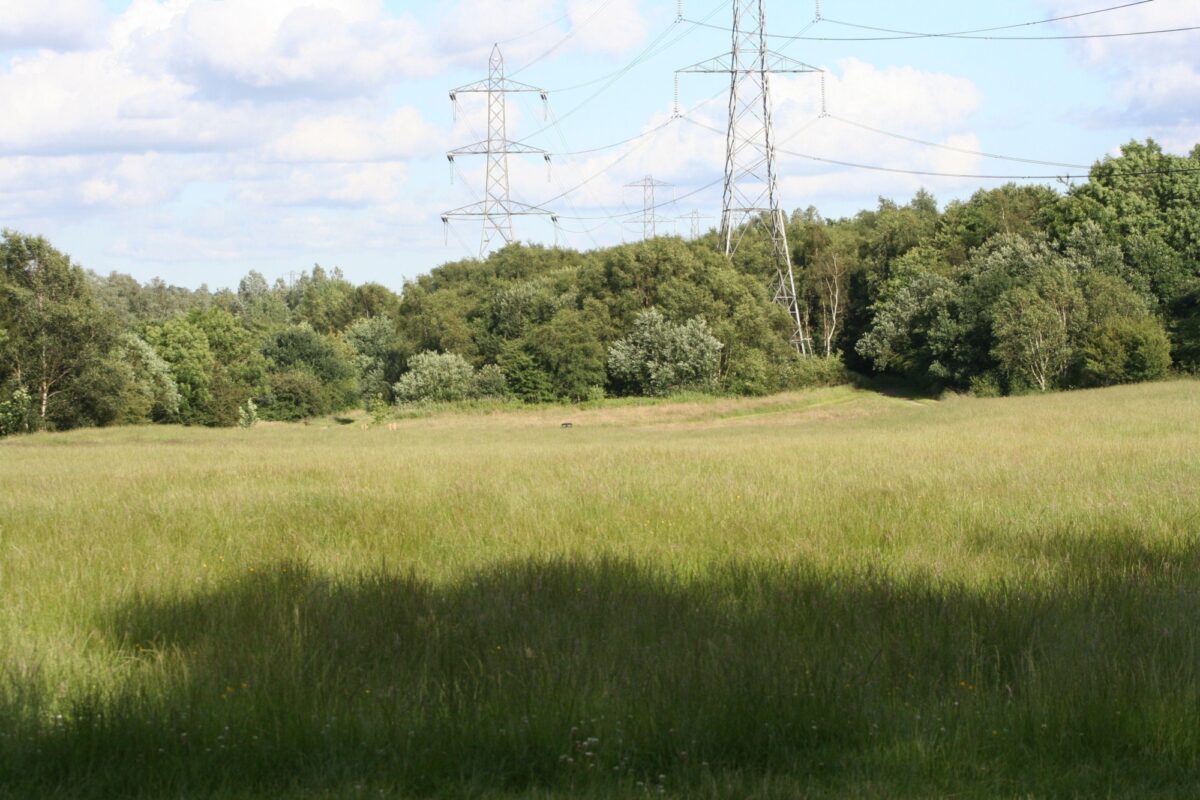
568, 424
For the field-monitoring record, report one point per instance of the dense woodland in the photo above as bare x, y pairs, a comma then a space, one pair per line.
1018, 289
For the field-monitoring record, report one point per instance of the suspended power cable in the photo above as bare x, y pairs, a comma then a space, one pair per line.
569, 35
634, 149
914, 140
648, 52
1059, 38
1032, 23
614, 145
975, 34
537, 30
1059, 176
643, 56
954, 149
679, 198
902, 171
671, 202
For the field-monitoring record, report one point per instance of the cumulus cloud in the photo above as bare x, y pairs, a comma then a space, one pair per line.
57, 25
1156, 78
690, 154
363, 137
332, 185
289, 48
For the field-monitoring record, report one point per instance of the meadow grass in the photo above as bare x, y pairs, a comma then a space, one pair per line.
826, 594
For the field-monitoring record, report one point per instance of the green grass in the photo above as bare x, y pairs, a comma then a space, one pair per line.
828, 594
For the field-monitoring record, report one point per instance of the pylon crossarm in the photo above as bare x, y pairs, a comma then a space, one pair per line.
505, 147
781, 63
480, 210
502, 85
723, 63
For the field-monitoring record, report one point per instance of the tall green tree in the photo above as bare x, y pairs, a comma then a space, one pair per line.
56, 333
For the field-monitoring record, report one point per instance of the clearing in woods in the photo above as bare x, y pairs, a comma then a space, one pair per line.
826, 594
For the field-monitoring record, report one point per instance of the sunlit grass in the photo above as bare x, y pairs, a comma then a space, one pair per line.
833, 593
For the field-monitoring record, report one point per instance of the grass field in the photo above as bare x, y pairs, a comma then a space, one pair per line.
832, 594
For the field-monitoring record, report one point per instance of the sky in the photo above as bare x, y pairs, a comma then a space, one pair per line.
195, 140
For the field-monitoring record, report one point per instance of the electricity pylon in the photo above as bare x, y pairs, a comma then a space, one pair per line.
650, 216
694, 218
497, 208
751, 179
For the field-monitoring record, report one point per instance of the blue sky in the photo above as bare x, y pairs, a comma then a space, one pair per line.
195, 140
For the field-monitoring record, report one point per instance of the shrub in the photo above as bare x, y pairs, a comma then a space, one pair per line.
1126, 350
248, 414
293, 396
800, 372
524, 378
660, 357
490, 381
750, 374
986, 385
436, 378
14, 412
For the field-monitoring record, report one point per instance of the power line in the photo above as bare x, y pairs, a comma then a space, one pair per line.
974, 34
569, 35
923, 142
954, 149
649, 51
614, 77
930, 173
1062, 37
999, 27
1060, 176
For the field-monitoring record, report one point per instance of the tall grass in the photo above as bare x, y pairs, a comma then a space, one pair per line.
828, 594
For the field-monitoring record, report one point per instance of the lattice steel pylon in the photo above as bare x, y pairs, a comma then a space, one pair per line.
694, 218
650, 217
751, 179
497, 208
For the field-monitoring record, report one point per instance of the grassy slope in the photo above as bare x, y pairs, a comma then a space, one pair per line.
826, 594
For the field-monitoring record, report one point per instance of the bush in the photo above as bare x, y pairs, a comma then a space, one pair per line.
800, 372
660, 357
524, 378
986, 385
1127, 350
436, 378
293, 396
14, 413
248, 414
490, 382
750, 374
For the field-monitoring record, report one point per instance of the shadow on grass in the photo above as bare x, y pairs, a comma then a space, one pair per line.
612, 678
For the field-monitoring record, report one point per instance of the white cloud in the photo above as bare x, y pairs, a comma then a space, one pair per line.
289, 48
607, 27
61, 103
933, 106
352, 137
1156, 78
537, 30
56, 25
333, 185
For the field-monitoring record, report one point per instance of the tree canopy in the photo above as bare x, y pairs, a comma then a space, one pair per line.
1015, 289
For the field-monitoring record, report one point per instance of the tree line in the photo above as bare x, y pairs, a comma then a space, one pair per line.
1019, 288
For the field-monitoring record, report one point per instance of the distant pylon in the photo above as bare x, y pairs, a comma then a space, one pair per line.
751, 180
498, 208
650, 217
694, 219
